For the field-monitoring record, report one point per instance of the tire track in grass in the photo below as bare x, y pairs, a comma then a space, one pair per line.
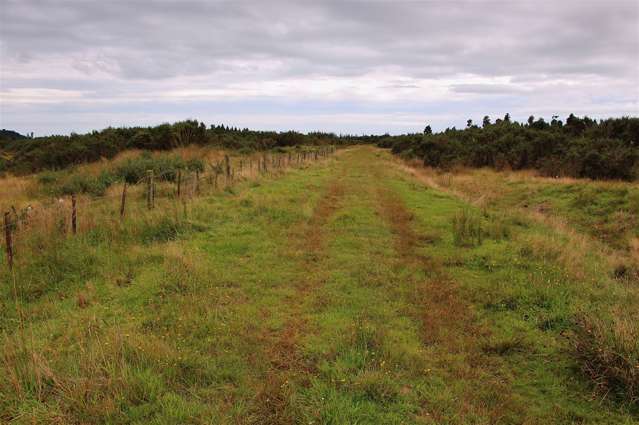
447, 320
286, 363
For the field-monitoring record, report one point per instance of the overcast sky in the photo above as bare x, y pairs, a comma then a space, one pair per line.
343, 66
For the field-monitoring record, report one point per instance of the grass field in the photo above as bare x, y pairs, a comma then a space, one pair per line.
357, 290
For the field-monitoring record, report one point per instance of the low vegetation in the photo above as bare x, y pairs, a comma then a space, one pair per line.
21, 154
357, 288
580, 147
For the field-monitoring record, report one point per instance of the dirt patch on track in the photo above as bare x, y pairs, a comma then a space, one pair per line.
448, 322
323, 211
286, 364
442, 309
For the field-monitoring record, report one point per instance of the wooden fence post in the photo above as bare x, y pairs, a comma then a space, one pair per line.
179, 182
8, 239
197, 182
227, 164
153, 187
123, 201
149, 189
74, 215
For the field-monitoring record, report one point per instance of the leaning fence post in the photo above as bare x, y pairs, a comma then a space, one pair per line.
8, 238
74, 215
123, 201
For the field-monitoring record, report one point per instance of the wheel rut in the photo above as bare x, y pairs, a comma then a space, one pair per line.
287, 364
448, 323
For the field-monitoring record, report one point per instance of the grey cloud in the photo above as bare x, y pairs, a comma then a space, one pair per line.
125, 48
425, 38
496, 89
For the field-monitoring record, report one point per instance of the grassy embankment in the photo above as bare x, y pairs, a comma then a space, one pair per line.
346, 292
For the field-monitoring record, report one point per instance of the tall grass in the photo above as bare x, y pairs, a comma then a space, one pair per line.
608, 351
590, 229
467, 228
95, 368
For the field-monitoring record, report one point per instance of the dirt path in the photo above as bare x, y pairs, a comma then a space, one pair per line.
447, 320
379, 320
286, 363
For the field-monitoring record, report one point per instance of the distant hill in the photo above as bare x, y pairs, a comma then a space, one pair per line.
11, 135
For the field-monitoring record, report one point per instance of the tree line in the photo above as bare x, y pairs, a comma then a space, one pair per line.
25, 154
578, 147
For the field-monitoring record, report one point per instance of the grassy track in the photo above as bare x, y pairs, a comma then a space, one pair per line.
336, 294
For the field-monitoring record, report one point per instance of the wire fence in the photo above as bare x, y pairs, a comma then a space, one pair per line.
77, 213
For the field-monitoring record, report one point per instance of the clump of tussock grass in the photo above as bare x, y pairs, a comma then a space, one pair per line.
506, 345
183, 272
467, 228
608, 352
569, 252
498, 228
59, 262
376, 385
625, 271
102, 370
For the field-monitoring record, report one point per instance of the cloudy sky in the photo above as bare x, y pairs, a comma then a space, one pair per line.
343, 66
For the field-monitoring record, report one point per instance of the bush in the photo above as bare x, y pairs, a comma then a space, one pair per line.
63, 184
164, 167
605, 149
91, 185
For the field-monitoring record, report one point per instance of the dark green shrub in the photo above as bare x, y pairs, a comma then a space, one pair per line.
63, 184
605, 149
48, 177
165, 167
91, 185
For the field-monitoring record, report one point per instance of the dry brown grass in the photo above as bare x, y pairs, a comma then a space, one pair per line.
610, 355
16, 191
100, 374
485, 187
